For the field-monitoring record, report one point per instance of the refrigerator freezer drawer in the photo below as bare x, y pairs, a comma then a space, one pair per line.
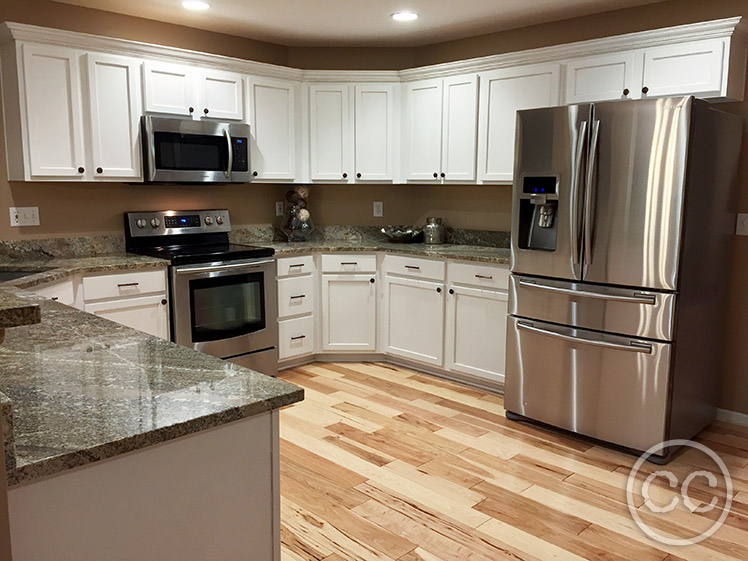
627, 311
612, 388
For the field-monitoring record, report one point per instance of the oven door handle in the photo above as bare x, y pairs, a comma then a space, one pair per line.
226, 267
230, 165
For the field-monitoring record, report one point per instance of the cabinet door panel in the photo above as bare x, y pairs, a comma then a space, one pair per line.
601, 78
503, 93
330, 132
114, 105
272, 122
423, 126
53, 111
222, 94
375, 136
169, 88
349, 313
148, 314
460, 128
414, 326
689, 68
476, 333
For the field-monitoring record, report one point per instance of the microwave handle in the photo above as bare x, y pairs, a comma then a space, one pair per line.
230, 166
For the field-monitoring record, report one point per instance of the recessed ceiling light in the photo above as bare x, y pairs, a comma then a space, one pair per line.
404, 16
195, 5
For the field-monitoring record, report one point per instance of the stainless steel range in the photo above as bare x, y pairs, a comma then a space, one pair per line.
223, 295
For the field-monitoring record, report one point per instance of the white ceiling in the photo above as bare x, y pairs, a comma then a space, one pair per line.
359, 22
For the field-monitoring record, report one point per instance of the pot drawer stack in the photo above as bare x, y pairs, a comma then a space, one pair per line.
296, 305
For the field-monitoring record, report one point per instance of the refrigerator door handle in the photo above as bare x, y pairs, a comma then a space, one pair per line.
633, 346
575, 193
637, 298
589, 202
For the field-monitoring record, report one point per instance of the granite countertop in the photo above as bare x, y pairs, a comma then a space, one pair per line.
15, 311
483, 254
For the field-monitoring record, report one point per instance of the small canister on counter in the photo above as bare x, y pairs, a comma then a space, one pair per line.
433, 231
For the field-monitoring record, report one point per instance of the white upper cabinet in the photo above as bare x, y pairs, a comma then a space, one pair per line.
330, 128
440, 129
221, 95
169, 88
460, 110
697, 68
503, 93
51, 83
272, 120
423, 130
375, 131
599, 78
114, 116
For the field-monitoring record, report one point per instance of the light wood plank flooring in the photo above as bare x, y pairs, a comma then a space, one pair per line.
383, 463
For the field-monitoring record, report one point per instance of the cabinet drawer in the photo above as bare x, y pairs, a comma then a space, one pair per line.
295, 265
350, 263
62, 292
124, 284
296, 337
295, 296
414, 267
485, 276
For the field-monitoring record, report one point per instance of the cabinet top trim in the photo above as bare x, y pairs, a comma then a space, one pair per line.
716, 29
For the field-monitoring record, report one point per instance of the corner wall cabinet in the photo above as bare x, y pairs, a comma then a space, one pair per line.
72, 103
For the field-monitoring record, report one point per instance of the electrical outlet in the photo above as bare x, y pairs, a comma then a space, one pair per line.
279, 209
24, 216
741, 229
378, 208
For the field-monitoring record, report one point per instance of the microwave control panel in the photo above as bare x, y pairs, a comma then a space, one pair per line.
241, 154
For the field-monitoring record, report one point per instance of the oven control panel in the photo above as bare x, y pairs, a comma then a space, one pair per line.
176, 222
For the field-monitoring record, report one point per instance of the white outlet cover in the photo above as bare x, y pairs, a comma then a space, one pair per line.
741, 228
24, 216
378, 208
279, 208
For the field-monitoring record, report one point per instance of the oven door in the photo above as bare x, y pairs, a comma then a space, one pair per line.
186, 151
225, 309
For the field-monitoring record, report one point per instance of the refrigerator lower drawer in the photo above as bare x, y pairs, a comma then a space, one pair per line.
629, 311
608, 387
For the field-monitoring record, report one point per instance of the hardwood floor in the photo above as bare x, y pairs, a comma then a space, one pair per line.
383, 463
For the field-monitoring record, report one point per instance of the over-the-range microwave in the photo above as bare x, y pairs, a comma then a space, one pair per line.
186, 151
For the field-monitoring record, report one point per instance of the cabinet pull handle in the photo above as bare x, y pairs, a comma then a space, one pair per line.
254, 174
349, 262
124, 284
295, 265
358, 175
412, 267
164, 302
438, 288
451, 291
436, 175
345, 176
442, 174
298, 337
192, 109
372, 281
55, 298
205, 110
487, 277
299, 296
81, 170
99, 170
625, 91
645, 89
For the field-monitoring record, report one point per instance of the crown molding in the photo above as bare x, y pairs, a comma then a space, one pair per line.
716, 29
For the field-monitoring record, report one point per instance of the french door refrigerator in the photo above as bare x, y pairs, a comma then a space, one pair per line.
621, 230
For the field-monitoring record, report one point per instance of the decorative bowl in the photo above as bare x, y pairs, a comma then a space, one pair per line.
402, 233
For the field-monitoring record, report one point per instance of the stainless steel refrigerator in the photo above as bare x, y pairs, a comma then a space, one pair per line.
621, 231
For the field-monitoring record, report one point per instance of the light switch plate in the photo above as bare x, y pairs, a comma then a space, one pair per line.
24, 216
378, 208
741, 229
279, 209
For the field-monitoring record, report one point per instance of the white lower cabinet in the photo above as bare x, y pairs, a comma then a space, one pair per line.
296, 303
349, 312
295, 337
63, 291
414, 319
476, 332
148, 314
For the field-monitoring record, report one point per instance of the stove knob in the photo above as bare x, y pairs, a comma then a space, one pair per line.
208, 220
155, 222
219, 219
140, 223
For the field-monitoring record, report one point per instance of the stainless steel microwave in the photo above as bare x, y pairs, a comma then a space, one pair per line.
186, 151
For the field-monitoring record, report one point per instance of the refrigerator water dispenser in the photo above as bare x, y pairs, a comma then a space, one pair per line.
538, 207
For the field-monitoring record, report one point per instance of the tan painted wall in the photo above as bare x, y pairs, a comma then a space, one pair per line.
71, 208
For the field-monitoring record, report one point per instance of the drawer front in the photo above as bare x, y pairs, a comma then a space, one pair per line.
296, 337
293, 266
295, 296
482, 275
62, 292
415, 267
124, 285
349, 263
